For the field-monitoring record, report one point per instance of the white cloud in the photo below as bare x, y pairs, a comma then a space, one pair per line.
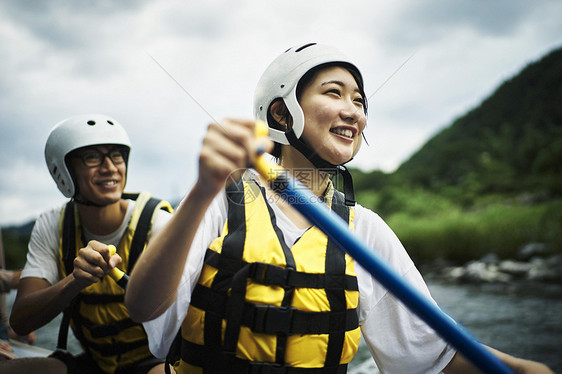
60, 59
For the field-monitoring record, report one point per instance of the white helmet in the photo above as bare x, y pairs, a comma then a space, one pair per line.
282, 76
77, 132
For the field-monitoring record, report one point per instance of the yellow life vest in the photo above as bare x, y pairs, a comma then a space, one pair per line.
260, 305
98, 316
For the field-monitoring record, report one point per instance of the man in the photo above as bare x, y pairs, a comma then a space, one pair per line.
69, 255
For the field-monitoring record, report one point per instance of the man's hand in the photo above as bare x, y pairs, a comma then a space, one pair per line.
93, 262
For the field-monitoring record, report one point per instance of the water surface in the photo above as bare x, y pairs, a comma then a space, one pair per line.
523, 319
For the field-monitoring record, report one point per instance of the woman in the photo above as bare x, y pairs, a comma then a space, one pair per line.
252, 285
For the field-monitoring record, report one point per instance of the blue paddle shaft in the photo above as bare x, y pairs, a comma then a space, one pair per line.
309, 205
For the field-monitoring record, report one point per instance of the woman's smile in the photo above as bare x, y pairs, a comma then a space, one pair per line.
347, 133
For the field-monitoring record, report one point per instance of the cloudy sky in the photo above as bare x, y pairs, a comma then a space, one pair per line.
61, 58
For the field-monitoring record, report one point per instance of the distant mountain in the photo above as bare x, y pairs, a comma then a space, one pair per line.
511, 142
15, 239
21, 230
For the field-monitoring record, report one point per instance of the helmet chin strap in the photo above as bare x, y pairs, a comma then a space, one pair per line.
324, 165
82, 201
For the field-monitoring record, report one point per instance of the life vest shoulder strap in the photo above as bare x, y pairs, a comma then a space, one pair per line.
68, 248
68, 237
144, 224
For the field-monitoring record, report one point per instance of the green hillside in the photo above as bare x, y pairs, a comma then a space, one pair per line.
490, 182
511, 142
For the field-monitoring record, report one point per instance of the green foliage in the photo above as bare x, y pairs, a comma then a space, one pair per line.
511, 138
374, 180
463, 236
550, 226
15, 247
490, 182
415, 202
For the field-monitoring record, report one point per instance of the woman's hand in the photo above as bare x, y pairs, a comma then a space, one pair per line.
228, 149
459, 364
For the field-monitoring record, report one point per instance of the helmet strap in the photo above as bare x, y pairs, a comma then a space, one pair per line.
82, 201
301, 146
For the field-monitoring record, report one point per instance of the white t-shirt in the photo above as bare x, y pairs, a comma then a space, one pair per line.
43, 248
399, 341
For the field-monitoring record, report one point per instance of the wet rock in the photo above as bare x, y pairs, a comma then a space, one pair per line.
454, 273
486, 272
515, 268
546, 270
478, 272
530, 250
534, 262
490, 259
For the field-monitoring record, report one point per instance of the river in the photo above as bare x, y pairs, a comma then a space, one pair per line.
523, 319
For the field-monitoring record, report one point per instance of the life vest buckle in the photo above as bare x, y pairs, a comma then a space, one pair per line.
271, 319
269, 274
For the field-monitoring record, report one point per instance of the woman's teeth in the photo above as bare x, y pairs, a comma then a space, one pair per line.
343, 132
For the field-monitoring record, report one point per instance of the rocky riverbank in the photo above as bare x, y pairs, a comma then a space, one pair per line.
534, 262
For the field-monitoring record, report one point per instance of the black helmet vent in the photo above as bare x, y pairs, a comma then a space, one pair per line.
304, 46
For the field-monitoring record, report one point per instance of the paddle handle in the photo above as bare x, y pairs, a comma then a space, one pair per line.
117, 274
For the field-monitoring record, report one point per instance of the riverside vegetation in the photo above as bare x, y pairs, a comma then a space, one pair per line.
490, 183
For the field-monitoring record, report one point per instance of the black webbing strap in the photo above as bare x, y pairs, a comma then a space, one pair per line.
284, 316
235, 310
232, 248
276, 275
68, 255
65, 323
117, 348
271, 274
348, 191
141, 233
201, 356
335, 264
271, 319
101, 331
174, 353
68, 238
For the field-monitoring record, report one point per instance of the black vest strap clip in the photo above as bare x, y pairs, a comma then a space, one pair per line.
273, 319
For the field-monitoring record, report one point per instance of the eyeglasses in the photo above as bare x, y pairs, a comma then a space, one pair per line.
93, 157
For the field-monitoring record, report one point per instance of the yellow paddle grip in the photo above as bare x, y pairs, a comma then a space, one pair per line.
115, 273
